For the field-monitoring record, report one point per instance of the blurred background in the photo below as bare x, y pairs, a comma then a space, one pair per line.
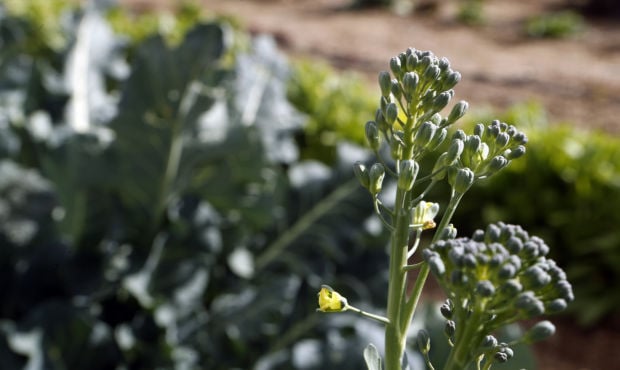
176, 183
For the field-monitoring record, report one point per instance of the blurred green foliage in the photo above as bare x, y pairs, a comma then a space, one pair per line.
155, 212
336, 105
555, 25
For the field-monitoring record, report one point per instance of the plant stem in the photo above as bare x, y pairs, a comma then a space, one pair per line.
395, 338
459, 356
412, 303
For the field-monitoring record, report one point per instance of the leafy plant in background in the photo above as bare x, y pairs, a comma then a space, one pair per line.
492, 279
155, 213
576, 184
555, 25
333, 111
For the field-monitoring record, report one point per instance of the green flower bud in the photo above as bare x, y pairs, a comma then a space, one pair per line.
459, 134
395, 66
534, 277
410, 83
443, 64
412, 62
529, 304
451, 80
438, 139
450, 328
372, 135
380, 120
502, 140
425, 134
448, 233
431, 73
439, 169
485, 288
436, 265
396, 149
391, 112
500, 357
511, 288
497, 163
407, 173
454, 152
396, 89
361, 174
447, 309
538, 332
442, 100
557, 305
472, 144
376, 174
463, 180
385, 83
424, 341
489, 342
515, 153
458, 111
424, 63
479, 130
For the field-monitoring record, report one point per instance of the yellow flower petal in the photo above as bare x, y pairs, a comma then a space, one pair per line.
330, 300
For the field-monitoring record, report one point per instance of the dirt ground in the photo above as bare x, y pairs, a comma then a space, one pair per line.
577, 80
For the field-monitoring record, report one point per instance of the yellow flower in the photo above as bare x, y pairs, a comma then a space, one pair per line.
424, 214
331, 301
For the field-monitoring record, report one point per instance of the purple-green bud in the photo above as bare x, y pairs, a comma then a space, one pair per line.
538, 332
472, 144
497, 163
372, 135
425, 134
380, 120
424, 341
407, 173
376, 175
395, 66
458, 111
463, 180
385, 83
436, 265
431, 73
448, 233
361, 173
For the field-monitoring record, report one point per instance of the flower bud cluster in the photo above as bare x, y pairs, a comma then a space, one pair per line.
418, 88
488, 150
497, 277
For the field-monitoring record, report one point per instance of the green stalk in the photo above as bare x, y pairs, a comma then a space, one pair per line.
412, 303
464, 341
395, 338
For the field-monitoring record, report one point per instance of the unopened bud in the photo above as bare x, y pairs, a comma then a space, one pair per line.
463, 180
479, 129
412, 61
395, 66
497, 163
489, 342
376, 174
425, 134
391, 112
450, 328
458, 111
424, 341
438, 139
538, 332
407, 173
361, 173
385, 83
454, 152
485, 288
372, 135
517, 152
441, 101
410, 83
396, 89
502, 140
447, 309
440, 168
451, 80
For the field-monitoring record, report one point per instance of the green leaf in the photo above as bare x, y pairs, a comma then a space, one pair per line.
373, 358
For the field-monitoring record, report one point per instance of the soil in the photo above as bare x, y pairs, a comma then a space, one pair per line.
576, 79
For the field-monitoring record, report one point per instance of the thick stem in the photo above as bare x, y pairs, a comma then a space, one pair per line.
395, 338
